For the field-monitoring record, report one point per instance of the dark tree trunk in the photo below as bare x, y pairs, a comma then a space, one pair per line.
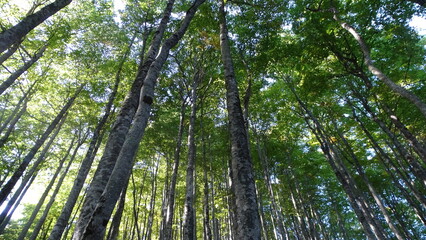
170, 198
246, 220
120, 129
96, 226
189, 211
11, 79
116, 220
5, 191
16, 33
84, 168
45, 193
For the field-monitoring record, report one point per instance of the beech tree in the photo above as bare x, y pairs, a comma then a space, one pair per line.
303, 120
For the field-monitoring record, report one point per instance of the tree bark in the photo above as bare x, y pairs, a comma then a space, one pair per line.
96, 225
189, 212
401, 91
42, 219
84, 168
30, 175
170, 199
116, 220
246, 221
16, 33
11, 79
40, 202
7, 188
120, 129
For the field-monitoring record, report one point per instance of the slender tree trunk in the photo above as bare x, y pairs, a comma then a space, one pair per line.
87, 162
11, 79
247, 217
16, 33
9, 216
11, 127
189, 221
9, 52
44, 195
96, 225
401, 91
30, 175
120, 129
152, 201
7, 188
170, 199
42, 219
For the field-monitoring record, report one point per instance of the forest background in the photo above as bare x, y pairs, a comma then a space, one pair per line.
332, 97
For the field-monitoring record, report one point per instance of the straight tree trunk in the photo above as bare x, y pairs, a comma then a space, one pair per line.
43, 197
42, 219
16, 33
12, 78
116, 220
87, 162
9, 52
96, 226
31, 174
7, 188
11, 127
246, 221
152, 201
120, 129
189, 212
170, 199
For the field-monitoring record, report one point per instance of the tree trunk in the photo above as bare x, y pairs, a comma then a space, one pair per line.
44, 195
11, 127
116, 220
96, 226
170, 199
7, 188
9, 52
42, 219
85, 165
189, 212
247, 217
11, 79
120, 129
16, 33
401, 91
30, 175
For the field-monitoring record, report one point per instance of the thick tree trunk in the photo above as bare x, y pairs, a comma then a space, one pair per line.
96, 226
246, 216
7, 188
45, 193
120, 129
11, 79
189, 212
9, 52
170, 198
84, 168
16, 33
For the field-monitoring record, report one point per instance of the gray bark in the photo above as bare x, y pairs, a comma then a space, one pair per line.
116, 220
16, 33
120, 129
96, 226
189, 212
15, 75
30, 175
246, 221
44, 195
7, 188
401, 91
170, 198
43, 217
84, 168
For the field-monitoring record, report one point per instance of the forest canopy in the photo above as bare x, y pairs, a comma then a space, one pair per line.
212, 119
